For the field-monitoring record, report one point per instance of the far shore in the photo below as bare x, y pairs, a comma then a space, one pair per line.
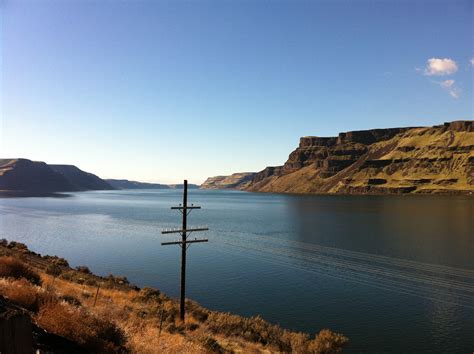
26, 194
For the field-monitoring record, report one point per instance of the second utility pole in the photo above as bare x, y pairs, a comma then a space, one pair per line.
184, 243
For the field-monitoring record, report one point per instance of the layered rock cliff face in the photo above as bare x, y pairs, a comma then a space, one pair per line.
437, 159
235, 181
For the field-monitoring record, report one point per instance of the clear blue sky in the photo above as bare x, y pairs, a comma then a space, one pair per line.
163, 90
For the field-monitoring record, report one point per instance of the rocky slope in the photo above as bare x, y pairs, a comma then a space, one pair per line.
80, 179
437, 159
234, 181
23, 175
126, 184
32, 176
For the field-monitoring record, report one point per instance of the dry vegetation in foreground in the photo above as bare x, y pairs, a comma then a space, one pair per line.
125, 319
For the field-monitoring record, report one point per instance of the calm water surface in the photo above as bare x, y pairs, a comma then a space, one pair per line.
395, 274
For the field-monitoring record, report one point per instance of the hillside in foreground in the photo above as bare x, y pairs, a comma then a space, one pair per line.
424, 160
48, 306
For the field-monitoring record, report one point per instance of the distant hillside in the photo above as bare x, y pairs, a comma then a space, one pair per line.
126, 184
80, 179
32, 176
234, 181
23, 175
437, 159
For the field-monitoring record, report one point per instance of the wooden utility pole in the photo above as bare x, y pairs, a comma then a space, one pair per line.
184, 243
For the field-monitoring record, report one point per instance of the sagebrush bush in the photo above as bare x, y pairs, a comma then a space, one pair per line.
199, 313
149, 295
80, 326
25, 294
13, 268
56, 260
53, 269
72, 300
257, 330
74, 276
253, 329
83, 269
328, 342
211, 345
18, 246
116, 279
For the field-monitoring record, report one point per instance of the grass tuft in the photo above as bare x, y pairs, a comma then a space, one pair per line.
13, 268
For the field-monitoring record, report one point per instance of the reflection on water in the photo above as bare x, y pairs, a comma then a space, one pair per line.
429, 229
393, 273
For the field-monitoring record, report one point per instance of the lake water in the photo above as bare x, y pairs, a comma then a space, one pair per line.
394, 274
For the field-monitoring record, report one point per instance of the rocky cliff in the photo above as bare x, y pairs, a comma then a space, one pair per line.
437, 159
234, 181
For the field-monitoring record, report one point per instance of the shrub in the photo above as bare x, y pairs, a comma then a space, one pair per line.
69, 275
211, 345
90, 282
170, 311
81, 327
24, 294
191, 326
149, 295
328, 342
3, 242
198, 312
56, 260
257, 330
253, 329
117, 279
73, 276
53, 269
173, 328
83, 269
13, 268
72, 300
18, 246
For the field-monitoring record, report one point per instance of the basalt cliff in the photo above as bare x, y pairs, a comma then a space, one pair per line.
235, 181
438, 159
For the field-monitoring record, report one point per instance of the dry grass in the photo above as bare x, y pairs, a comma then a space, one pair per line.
13, 268
23, 293
81, 327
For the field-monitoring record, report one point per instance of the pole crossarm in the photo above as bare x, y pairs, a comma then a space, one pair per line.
181, 242
180, 231
186, 207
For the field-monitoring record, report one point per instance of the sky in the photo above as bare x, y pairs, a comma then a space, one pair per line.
160, 91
